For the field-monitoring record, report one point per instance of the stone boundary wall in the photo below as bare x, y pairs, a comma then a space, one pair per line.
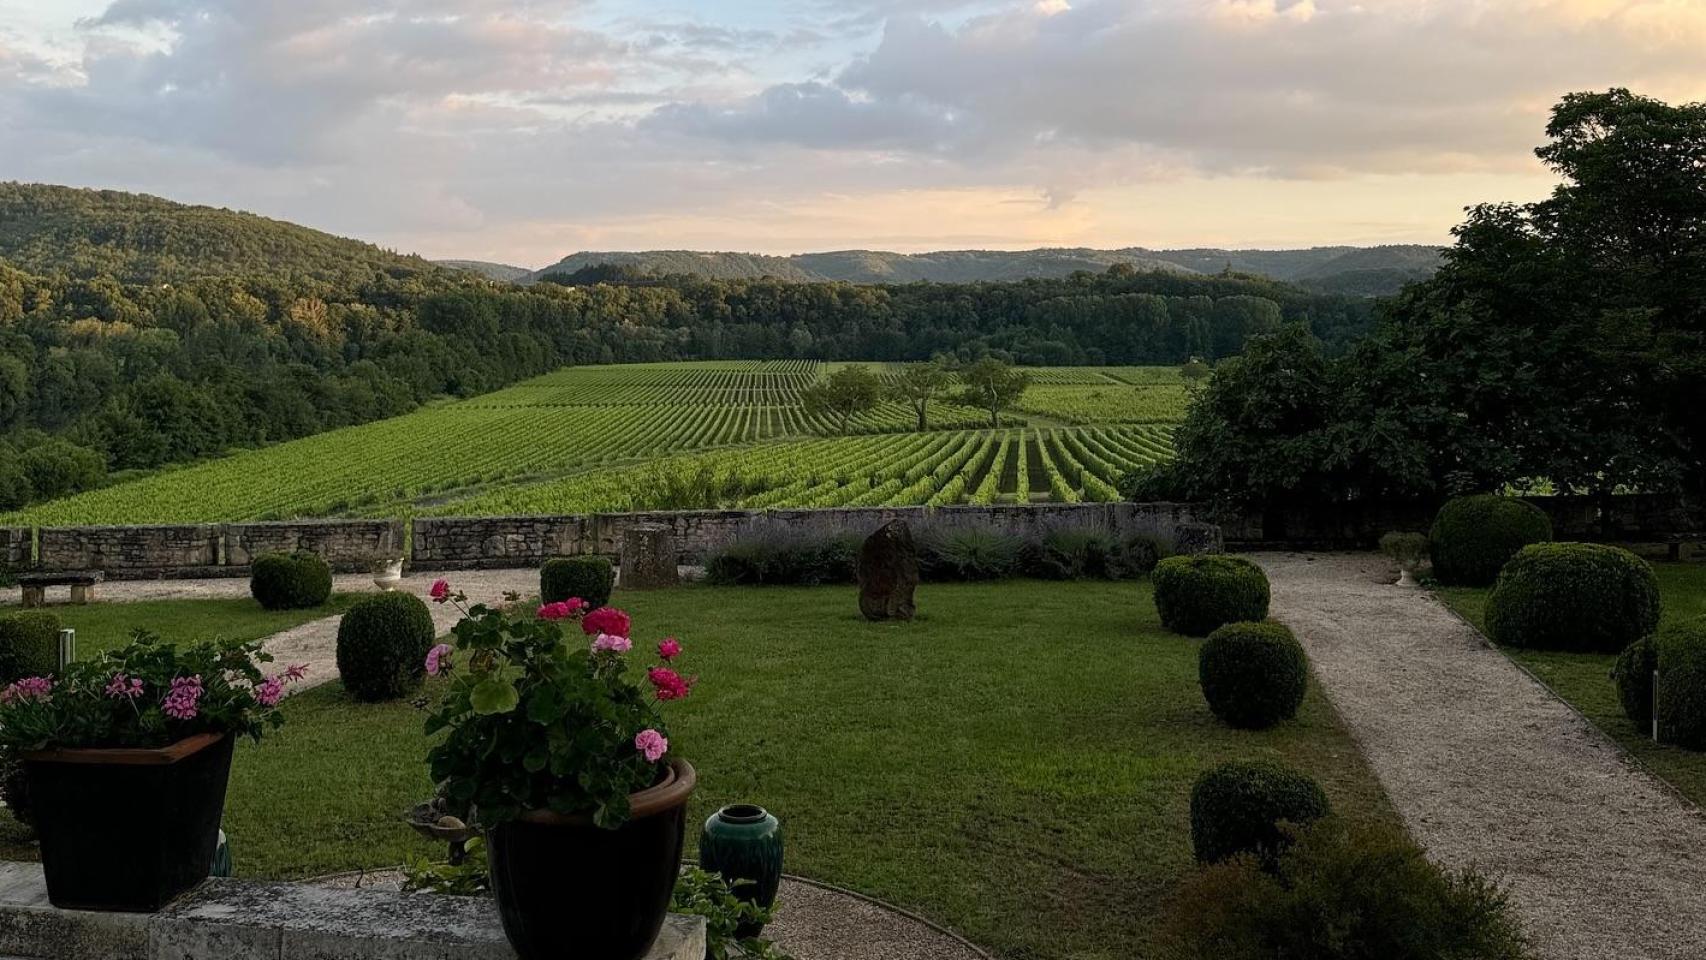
448, 543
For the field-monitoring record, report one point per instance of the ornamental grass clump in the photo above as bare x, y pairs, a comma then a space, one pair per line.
148, 694
543, 712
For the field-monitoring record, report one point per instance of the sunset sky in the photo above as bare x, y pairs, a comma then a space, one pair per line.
522, 130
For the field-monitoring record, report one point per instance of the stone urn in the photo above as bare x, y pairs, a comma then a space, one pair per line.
388, 574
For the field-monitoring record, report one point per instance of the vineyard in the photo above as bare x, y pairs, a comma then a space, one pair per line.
651, 436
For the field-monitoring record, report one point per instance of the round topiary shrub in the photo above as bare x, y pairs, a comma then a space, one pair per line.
1237, 808
1633, 673
290, 581
29, 645
589, 578
382, 645
1681, 649
1474, 537
1573, 596
1199, 593
1253, 675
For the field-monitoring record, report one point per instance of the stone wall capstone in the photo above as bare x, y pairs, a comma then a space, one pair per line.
350, 546
186, 550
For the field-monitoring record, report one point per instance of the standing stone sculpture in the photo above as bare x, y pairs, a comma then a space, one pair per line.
648, 557
888, 573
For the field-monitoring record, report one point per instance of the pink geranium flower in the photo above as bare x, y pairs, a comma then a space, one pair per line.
124, 688
652, 744
670, 648
29, 688
182, 702
438, 660
561, 610
606, 620
608, 642
669, 684
440, 591
270, 692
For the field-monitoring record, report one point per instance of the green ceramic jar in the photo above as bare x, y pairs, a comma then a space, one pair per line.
742, 841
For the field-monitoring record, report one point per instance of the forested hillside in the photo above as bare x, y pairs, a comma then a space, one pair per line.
136, 333
1362, 271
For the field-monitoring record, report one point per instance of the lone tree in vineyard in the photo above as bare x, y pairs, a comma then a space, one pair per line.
994, 386
851, 390
920, 383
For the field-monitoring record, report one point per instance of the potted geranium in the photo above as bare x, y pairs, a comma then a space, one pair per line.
127, 757
557, 751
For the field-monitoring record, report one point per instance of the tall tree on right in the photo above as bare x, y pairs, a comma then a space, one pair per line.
993, 386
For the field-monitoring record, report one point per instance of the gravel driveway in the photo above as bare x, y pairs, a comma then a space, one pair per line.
1489, 769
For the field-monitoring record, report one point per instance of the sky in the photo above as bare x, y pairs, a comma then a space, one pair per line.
523, 130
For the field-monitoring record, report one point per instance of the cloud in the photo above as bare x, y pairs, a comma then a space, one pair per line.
420, 121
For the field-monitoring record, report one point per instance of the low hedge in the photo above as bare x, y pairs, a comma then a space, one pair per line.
382, 645
1585, 597
29, 645
1238, 807
589, 578
785, 560
1474, 537
1195, 595
1681, 656
290, 581
1253, 675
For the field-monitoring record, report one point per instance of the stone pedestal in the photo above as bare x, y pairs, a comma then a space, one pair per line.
253, 920
648, 557
888, 573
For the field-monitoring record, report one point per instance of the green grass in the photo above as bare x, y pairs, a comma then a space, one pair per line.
1584, 679
1016, 763
104, 626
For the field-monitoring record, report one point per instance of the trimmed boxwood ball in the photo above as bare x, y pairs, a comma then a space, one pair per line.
1633, 673
290, 581
1585, 597
1681, 649
29, 645
1253, 675
1199, 593
1474, 537
382, 645
589, 578
1237, 808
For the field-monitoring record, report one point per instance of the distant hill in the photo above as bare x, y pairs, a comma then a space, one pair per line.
1359, 271
137, 238
491, 271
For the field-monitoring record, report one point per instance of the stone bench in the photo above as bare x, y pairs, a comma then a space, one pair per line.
81, 582
255, 920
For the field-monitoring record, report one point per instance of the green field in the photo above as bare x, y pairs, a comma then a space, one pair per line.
631, 437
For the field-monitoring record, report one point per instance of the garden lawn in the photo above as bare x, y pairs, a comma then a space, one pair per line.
1584, 679
104, 626
1015, 764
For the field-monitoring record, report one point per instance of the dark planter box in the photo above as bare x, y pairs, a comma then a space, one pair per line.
128, 829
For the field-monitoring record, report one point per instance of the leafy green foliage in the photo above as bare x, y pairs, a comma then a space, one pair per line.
1680, 652
29, 645
290, 581
705, 894
918, 385
535, 720
471, 877
1474, 537
785, 559
1573, 596
382, 645
992, 385
1341, 892
1240, 808
589, 578
847, 392
81, 708
1197, 594
1633, 674
1253, 675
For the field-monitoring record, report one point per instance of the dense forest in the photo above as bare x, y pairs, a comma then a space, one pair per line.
136, 333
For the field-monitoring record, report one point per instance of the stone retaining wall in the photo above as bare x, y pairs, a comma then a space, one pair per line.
187, 550
350, 546
461, 543
16, 546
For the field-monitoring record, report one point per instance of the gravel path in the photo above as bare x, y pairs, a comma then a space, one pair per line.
812, 923
1487, 768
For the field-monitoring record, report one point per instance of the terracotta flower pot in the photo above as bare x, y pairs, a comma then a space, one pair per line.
128, 829
570, 890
